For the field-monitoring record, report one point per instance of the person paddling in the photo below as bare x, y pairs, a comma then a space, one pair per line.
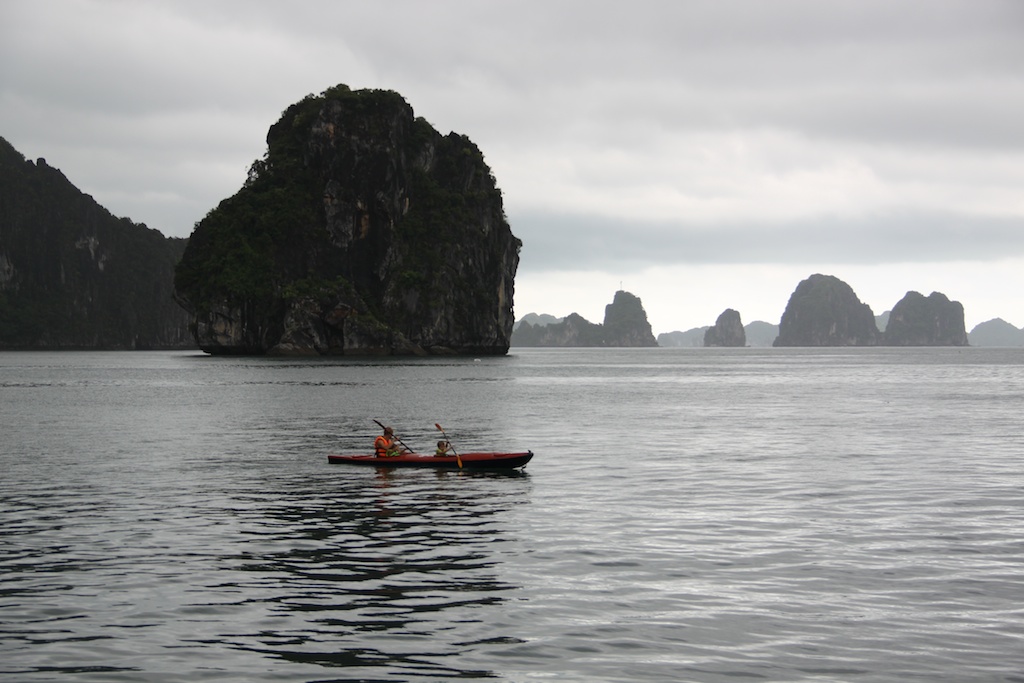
386, 445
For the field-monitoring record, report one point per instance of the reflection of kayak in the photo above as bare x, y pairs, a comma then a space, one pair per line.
470, 461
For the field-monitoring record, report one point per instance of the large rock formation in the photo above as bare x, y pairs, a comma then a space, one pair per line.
932, 321
625, 324
825, 311
727, 330
362, 230
74, 276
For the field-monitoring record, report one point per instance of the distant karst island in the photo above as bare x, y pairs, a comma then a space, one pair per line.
825, 311
362, 230
822, 311
625, 324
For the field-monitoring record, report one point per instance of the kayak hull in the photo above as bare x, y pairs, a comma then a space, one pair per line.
470, 461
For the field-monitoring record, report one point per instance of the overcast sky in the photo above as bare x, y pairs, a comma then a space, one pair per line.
702, 155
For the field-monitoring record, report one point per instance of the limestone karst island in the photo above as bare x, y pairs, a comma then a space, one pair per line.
362, 230
822, 311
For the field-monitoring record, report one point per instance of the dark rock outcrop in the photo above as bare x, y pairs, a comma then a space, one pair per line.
917, 320
74, 276
727, 330
625, 324
825, 311
362, 231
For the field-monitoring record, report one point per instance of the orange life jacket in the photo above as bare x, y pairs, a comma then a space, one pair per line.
382, 445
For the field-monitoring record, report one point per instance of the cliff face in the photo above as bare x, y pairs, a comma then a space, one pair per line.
727, 331
919, 321
825, 311
625, 324
362, 231
74, 276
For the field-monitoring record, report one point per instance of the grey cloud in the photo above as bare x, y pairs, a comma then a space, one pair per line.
182, 85
562, 242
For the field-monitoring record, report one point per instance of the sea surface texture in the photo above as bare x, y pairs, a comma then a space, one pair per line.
690, 515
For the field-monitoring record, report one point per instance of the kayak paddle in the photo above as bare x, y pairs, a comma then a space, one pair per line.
458, 458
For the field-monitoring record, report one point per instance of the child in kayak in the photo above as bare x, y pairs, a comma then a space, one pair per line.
442, 449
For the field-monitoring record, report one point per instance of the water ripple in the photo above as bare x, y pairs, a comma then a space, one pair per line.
775, 516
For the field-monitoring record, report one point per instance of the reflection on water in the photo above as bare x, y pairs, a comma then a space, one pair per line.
376, 567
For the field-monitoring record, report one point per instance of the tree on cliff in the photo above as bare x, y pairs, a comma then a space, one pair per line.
362, 230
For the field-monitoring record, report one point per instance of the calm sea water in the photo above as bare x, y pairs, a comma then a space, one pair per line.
690, 515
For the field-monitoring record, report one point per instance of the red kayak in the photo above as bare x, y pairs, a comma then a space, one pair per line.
470, 461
